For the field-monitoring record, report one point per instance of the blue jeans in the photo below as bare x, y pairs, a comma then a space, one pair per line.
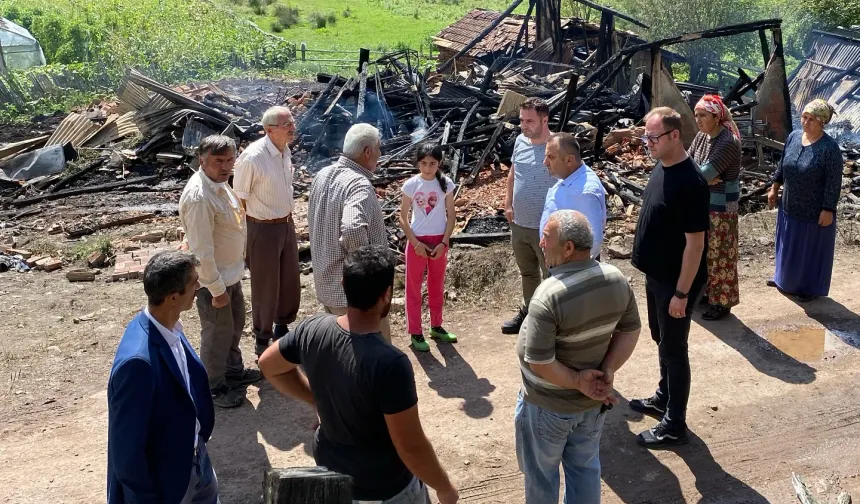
414, 493
545, 440
203, 484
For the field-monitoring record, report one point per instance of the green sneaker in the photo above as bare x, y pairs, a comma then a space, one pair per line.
442, 335
419, 343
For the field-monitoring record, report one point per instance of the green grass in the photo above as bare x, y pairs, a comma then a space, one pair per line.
374, 24
91, 244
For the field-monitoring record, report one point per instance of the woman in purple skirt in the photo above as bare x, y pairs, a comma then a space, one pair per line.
810, 175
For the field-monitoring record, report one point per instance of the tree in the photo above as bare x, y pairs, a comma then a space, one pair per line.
673, 17
833, 13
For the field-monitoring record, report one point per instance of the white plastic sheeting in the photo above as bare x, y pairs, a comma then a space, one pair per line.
18, 47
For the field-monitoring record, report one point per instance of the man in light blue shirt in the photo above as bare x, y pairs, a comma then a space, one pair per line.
578, 187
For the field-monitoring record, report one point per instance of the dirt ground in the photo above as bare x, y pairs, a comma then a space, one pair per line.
774, 392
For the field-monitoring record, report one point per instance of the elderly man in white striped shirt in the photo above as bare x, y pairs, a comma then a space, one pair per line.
264, 183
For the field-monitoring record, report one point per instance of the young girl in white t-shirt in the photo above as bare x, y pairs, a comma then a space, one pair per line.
430, 197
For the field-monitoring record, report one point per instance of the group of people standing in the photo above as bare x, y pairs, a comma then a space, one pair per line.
363, 388
578, 322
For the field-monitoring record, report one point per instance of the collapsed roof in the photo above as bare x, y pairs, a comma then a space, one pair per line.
831, 71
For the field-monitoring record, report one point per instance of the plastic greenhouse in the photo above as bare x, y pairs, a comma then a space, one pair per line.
18, 48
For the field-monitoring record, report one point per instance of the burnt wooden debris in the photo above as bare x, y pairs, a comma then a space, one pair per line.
599, 82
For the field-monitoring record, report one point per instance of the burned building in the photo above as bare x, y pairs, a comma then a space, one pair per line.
831, 71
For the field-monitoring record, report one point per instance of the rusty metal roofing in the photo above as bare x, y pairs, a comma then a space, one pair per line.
75, 128
131, 96
115, 128
832, 72
456, 36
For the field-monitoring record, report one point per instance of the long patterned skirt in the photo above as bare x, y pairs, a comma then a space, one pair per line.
722, 286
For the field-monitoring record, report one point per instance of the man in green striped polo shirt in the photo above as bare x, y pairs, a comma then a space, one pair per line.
582, 325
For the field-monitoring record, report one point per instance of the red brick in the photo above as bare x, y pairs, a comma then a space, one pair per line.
123, 258
127, 265
119, 276
136, 271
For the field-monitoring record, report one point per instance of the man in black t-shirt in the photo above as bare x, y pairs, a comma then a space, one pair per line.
363, 389
670, 249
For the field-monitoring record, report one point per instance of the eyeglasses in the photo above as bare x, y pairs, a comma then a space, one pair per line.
653, 139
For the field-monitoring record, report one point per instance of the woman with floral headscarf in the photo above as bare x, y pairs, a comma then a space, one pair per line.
810, 175
717, 151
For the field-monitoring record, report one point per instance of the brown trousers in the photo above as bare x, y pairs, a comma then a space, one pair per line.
530, 260
220, 332
276, 290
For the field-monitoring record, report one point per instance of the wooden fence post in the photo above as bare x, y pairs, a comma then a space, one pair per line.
304, 47
306, 485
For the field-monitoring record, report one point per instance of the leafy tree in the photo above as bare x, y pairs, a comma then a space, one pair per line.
832, 13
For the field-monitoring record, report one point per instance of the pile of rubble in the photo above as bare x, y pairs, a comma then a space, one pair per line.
132, 157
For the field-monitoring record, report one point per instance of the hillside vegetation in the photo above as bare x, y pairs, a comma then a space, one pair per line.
375, 24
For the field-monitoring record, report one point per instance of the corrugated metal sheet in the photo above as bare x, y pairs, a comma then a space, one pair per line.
831, 56
152, 122
177, 98
75, 128
131, 96
157, 102
195, 132
115, 128
453, 91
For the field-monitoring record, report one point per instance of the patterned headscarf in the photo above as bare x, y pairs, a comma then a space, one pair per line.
820, 109
714, 104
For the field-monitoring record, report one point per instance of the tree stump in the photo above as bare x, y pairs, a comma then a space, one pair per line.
307, 485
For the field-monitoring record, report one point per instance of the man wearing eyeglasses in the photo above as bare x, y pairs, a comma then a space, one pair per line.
670, 249
264, 183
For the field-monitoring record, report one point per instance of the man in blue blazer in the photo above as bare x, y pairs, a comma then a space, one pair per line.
160, 411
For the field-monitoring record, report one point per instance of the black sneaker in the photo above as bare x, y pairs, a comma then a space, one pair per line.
660, 436
247, 377
648, 406
805, 298
513, 326
771, 283
225, 397
716, 312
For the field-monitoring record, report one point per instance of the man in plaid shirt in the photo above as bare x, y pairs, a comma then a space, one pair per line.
344, 214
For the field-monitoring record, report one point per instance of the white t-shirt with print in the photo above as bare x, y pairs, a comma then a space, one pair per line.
428, 205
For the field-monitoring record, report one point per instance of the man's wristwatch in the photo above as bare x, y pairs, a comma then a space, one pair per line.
680, 295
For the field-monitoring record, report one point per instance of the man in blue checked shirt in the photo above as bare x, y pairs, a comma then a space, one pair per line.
578, 187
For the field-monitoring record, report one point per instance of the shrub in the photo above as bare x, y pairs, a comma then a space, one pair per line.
346, 13
287, 16
318, 20
331, 17
257, 6
276, 27
82, 250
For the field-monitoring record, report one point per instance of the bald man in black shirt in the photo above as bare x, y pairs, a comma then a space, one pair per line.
670, 249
